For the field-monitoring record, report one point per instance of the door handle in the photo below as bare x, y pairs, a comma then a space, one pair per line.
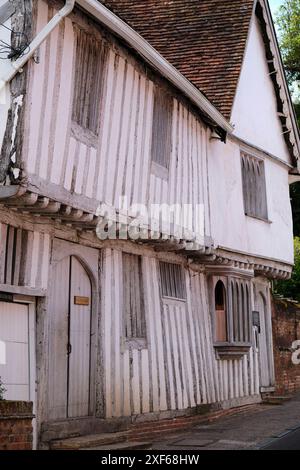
69, 348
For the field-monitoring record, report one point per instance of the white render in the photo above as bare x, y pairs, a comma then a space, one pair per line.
254, 113
230, 227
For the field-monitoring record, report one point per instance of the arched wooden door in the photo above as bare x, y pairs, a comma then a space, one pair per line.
265, 353
69, 340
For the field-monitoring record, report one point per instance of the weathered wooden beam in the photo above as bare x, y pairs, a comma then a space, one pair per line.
52, 207
28, 199
31, 291
11, 191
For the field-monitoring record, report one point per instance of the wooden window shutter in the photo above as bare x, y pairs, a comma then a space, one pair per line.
13, 255
90, 60
162, 128
254, 186
134, 311
172, 281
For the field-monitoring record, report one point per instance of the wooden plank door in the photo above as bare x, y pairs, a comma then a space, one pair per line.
69, 340
264, 362
79, 340
58, 312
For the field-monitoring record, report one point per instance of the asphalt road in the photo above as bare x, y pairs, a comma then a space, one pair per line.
288, 441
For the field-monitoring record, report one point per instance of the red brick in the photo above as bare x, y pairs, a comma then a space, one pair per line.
286, 328
15, 426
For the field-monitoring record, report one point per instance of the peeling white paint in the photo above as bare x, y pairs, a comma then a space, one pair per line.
19, 102
4, 90
16, 172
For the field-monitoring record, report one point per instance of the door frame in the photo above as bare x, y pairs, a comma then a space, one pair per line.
89, 259
30, 302
262, 289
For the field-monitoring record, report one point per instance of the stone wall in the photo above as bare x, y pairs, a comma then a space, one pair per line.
286, 329
15, 425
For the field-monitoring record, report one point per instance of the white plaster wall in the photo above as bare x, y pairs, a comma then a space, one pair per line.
4, 92
231, 228
254, 113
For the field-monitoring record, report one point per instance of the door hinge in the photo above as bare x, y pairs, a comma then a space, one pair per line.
69, 348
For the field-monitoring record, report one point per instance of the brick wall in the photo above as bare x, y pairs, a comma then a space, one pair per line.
286, 329
15, 425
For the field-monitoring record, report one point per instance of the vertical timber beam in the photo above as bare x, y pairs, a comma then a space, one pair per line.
11, 152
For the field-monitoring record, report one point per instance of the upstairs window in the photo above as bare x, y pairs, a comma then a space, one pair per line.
220, 313
162, 128
134, 311
172, 281
254, 187
90, 57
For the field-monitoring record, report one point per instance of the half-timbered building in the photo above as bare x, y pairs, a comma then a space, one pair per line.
181, 103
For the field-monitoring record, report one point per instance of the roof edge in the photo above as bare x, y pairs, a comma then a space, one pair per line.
144, 49
280, 83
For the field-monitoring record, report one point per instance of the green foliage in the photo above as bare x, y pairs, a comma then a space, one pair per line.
2, 390
288, 22
295, 202
297, 109
291, 288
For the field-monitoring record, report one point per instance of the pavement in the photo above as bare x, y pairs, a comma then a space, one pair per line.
264, 427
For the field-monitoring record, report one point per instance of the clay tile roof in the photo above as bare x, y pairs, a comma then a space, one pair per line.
204, 39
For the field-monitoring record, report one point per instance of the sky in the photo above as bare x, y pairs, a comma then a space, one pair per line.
274, 4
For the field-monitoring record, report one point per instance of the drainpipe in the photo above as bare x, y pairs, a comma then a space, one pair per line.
16, 66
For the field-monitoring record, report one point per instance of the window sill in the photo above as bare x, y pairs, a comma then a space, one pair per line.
85, 136
231, 351
160, 171
173, 300
262, 219
134, 343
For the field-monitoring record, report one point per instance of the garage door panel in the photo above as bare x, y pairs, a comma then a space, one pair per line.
14, 322
16, 370
17, 392
14, 332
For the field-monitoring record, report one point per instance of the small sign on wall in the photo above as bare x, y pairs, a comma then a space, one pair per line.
80, 300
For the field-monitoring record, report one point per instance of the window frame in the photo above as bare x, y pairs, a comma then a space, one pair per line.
162, 100
89, 133
235, 346
140, 341
162, 276
257, 209
224, 311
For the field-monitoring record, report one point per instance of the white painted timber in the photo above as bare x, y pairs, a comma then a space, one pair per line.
178, 367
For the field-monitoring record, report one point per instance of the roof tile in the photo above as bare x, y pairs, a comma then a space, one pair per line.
204, 39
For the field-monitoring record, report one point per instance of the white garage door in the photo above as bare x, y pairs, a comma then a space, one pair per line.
14, 333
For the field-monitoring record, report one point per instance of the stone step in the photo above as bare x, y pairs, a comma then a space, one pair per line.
275, 400
92, 440
122, 446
